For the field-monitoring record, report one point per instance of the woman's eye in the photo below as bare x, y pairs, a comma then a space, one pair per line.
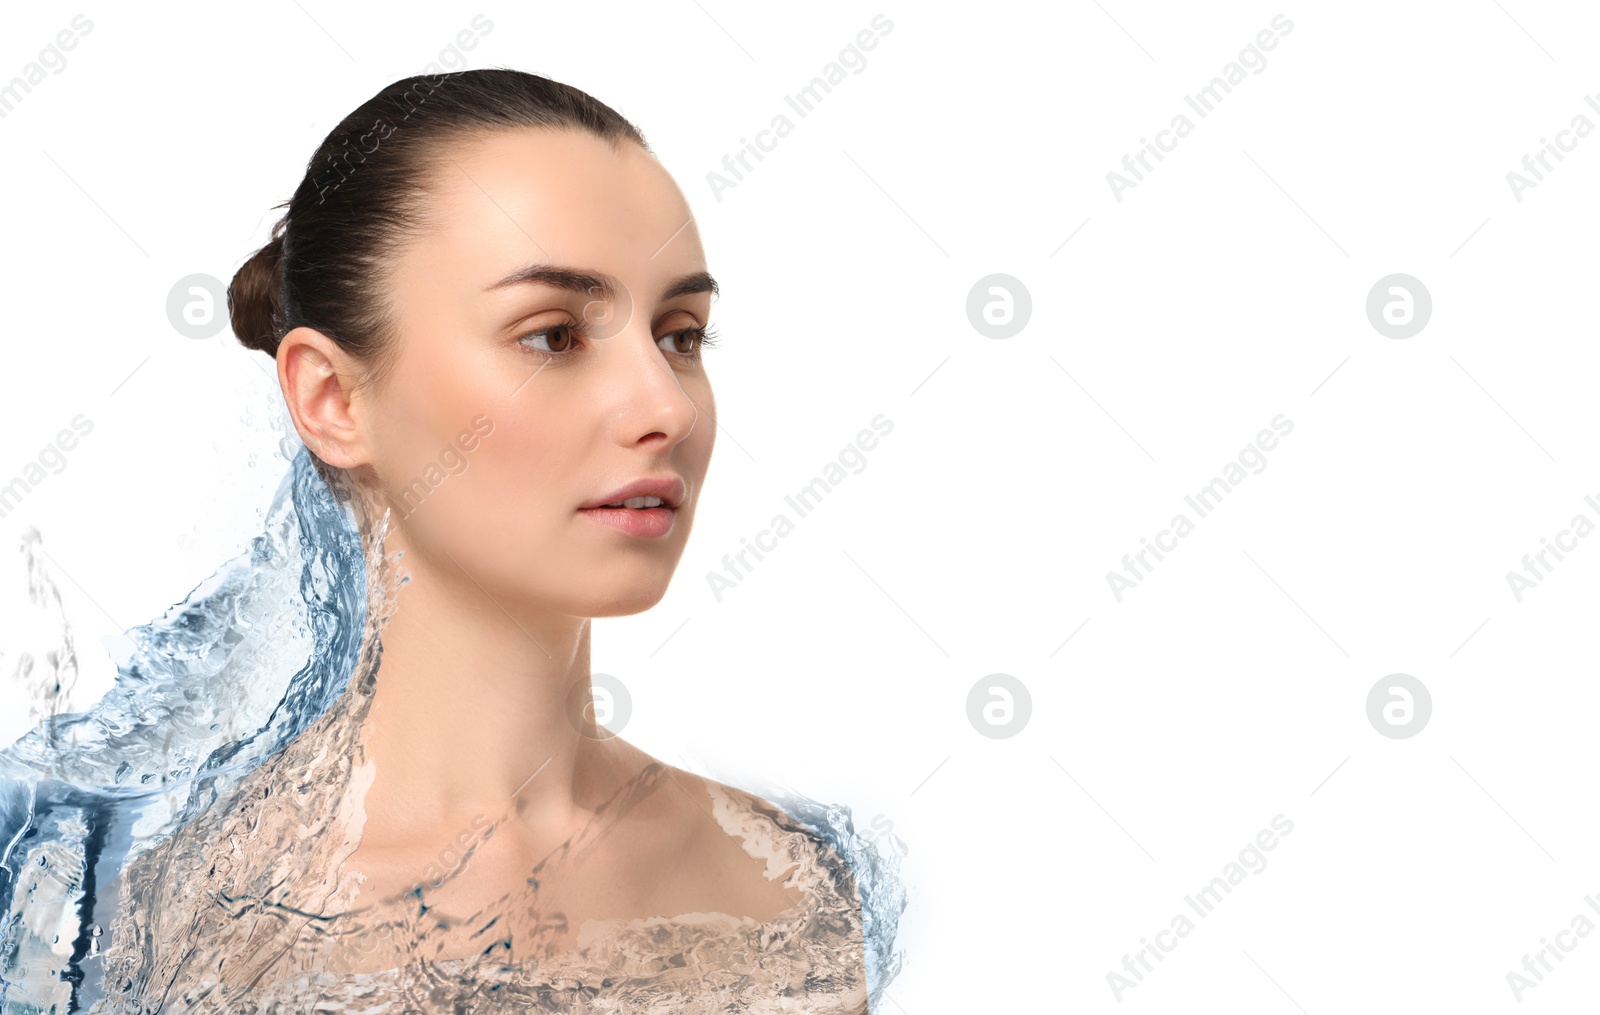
684, 340
557, 338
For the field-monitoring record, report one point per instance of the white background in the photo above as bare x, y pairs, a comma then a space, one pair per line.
1227, 287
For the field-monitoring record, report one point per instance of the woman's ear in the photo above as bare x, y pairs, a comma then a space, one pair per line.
318, 380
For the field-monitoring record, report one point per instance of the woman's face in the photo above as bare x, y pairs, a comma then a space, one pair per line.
547, 359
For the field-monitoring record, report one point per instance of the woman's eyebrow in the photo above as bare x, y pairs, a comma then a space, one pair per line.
688, 285
594, 283
558, 277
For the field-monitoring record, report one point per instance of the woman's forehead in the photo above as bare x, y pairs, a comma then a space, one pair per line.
557, 197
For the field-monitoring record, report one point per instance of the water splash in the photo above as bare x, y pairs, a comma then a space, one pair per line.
44, 669
202, 696
876, 874
214, 792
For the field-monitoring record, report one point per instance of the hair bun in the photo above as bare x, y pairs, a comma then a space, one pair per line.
255, 304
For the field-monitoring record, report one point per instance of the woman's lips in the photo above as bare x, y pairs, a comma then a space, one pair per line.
669, 487
645, 522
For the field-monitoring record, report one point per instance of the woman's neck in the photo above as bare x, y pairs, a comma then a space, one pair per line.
479, 709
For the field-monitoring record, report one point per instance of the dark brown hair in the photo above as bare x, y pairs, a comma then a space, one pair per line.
364, 194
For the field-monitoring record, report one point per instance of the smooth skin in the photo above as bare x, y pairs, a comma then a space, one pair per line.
490, 638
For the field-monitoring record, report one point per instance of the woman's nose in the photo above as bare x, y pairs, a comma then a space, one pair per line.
648, 387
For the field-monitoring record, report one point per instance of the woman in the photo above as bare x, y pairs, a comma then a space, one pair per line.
487, 304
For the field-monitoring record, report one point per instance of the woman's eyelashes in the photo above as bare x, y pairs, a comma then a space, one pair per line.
557, 340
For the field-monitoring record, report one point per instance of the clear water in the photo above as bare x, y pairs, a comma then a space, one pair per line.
222, 756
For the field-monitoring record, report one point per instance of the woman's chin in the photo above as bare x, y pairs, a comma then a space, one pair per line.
623, 602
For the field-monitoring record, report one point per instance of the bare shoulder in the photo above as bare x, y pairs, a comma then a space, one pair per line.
818, 832
720, 870
688, 797
731, 842
748, 812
